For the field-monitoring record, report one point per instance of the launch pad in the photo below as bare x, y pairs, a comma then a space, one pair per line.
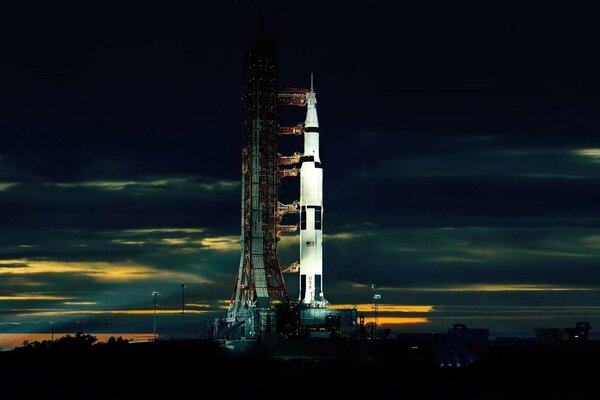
260, 305
291, 321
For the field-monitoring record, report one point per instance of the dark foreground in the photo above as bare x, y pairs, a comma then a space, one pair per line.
197, 369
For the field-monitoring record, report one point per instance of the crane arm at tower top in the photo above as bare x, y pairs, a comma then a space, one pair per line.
289, 160
283, 173
292, 97
291, 130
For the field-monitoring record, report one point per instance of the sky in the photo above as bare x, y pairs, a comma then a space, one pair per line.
459, 143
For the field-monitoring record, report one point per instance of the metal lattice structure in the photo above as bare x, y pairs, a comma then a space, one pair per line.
259, 282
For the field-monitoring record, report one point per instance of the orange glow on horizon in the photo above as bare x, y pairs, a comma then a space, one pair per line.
385, 308
397, 320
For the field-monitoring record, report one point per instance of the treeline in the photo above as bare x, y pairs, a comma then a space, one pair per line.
79, 341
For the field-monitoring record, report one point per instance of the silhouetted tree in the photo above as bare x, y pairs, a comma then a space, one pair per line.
80, 341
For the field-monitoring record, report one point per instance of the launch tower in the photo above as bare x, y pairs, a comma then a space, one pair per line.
259, 282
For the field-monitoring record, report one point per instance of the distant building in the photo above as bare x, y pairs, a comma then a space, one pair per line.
580, 333
459, 347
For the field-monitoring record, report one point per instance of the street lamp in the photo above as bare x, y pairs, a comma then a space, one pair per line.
154, 294
376, 298
182, 309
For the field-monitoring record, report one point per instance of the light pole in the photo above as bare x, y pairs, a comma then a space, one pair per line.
154, 294
182, 309
376, 298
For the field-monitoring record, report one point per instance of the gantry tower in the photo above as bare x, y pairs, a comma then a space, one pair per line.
259, 283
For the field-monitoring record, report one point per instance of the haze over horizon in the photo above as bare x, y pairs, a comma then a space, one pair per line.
459, 143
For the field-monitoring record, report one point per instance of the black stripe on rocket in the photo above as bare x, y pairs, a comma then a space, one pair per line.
304, 159
318, 217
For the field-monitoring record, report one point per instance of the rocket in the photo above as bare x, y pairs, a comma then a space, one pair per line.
311, 209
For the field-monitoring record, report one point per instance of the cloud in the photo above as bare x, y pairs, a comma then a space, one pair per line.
340, 236
130, 242
111, 185
222, 243
497, 288
33, 297
197, 239
203, 183
442, 156
453, 259
145, 231
591, 241
70, 312
102, 271
8, 265
590, 154
467, 256
175, 241
465, 201
115, 205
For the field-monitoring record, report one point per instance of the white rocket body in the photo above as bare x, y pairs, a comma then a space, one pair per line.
311, 210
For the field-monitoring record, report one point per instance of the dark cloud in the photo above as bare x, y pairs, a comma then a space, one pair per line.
166, 201
465, 201
459, 257
14, 265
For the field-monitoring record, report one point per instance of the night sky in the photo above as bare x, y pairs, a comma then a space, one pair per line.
460, 147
